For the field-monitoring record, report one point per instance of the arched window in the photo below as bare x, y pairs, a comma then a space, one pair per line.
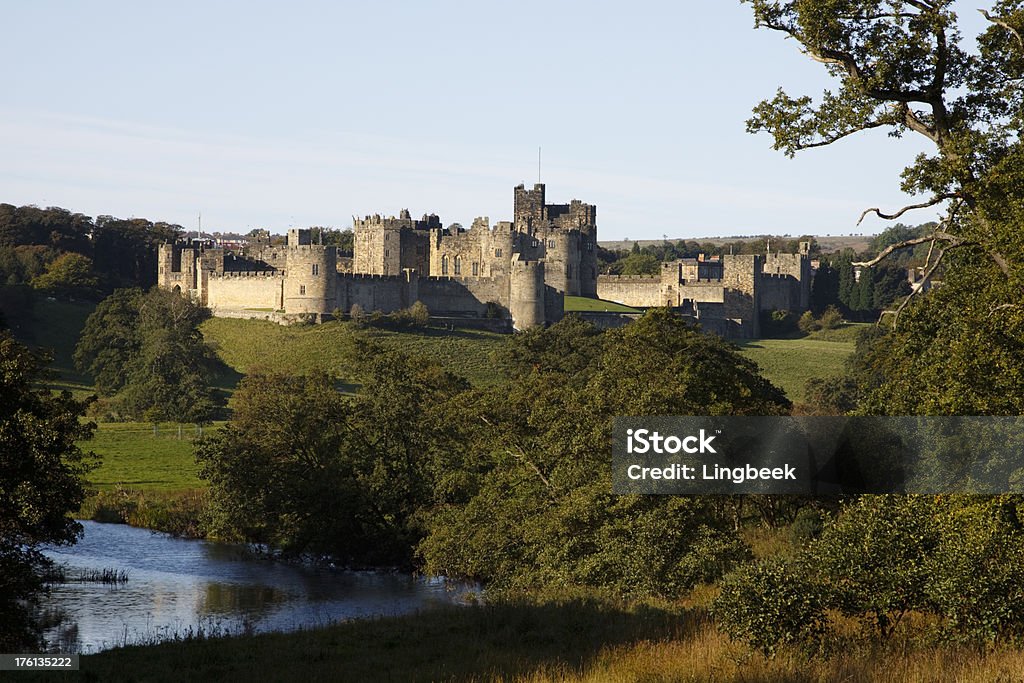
444, 265
458, 265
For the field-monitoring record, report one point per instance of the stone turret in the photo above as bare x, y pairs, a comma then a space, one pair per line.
312, 275
526, 293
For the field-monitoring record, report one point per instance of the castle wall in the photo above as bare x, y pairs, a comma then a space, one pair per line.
239, 291
787, 282
631, 290
384, 293
467, 296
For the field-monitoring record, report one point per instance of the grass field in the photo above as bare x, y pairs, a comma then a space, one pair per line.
789, 363
247, 345
582, 303
133, 457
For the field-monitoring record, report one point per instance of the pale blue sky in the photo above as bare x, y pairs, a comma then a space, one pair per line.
305, 113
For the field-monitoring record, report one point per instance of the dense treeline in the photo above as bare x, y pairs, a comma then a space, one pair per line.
507, 485
65, 253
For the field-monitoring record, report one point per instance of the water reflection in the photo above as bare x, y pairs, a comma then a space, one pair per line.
178, 587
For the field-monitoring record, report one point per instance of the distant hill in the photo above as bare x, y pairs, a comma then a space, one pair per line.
828, 243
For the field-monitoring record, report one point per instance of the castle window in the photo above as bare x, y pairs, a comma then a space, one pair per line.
497, 253
458, 265
476, 268
387, 253
590, 246
535, 243
444, 265
302, 289
551, 244
316, 269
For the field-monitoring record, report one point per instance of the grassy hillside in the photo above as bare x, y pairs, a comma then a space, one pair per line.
789, 363
247, 345
582, 303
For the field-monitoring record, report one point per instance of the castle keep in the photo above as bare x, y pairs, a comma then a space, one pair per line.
520, 270
517, 270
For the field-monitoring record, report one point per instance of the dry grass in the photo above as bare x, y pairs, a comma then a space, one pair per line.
709, 656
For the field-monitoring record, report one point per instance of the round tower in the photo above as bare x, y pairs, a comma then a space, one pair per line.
310, 284
526, 293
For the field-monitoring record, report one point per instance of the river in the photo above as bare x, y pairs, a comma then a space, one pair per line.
178, 586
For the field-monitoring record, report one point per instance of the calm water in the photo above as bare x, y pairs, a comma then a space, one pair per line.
177, 585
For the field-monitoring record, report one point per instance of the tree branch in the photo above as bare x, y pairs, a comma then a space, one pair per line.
953, 240
999, 22
924, 280
924, 205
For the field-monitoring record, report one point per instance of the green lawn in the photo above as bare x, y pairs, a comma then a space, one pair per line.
789, 363
582, 303
248, 345
134, 457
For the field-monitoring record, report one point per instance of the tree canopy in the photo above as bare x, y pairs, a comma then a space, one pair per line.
40, 485
146, 354
901, 66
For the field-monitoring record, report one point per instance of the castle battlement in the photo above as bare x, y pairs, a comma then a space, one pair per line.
239, 274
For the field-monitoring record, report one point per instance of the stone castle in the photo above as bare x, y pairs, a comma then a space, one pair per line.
518, 271
726, 294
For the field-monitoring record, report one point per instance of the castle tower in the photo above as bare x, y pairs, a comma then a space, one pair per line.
528, 207
526, 293
311, 275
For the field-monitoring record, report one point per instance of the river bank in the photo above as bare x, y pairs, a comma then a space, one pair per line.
560, 639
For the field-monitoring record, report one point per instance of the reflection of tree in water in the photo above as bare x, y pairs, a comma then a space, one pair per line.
60, 632
254, 601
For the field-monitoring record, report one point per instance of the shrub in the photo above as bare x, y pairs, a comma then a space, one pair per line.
807, 323
418, 314
806, 527
769, 604
831, 318
357, 315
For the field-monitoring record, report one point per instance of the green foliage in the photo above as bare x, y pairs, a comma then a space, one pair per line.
539, 512
830, 395
807, 526
902, 66
69, 274
778, 324
954, 558
830, 319
307, 469
956, 351
769, 604
807, 323
976, 577
874, 558
40, 485
147, 350
638, 263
